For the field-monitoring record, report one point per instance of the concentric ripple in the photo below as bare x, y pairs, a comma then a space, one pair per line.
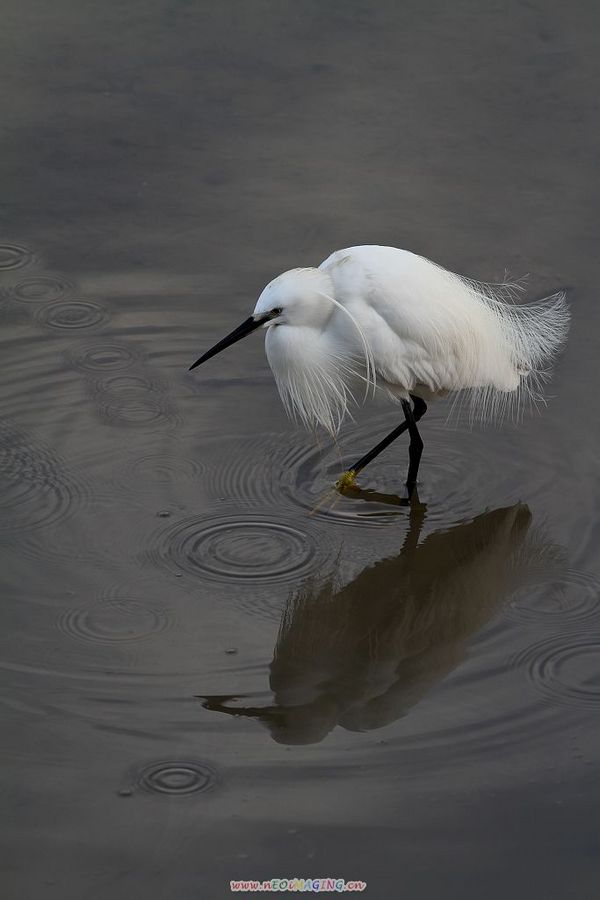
36, 489
273, 469
250, 548
452, 476
177, 777
121, 635
137, 411
128, 383
104, 357
251, 468
113, 620
43, 288
276, 468
573, 597
160, 468
12, 256
72, 314
565, 668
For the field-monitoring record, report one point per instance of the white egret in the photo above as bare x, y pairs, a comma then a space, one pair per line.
399, 323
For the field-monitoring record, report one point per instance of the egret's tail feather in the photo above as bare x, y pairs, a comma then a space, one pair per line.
530, 336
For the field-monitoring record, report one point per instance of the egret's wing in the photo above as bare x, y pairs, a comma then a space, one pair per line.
427, 326
392, 294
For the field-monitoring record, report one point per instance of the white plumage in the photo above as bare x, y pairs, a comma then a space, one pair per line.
378, 318
402, 323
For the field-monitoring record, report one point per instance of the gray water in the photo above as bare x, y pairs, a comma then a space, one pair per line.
210, 670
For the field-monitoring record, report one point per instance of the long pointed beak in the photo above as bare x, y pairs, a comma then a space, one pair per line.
248, 325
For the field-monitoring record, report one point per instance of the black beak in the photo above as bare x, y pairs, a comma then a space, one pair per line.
248, 326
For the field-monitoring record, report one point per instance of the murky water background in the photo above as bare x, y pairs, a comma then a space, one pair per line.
201, 680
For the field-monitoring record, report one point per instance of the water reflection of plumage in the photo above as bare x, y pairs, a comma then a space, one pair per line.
361, 655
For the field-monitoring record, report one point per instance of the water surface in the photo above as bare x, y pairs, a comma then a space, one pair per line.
211, 671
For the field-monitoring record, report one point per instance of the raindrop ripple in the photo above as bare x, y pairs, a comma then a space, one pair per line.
273, 469
104, 357
565, 668
72, 315
113, 620
571, 598
12, 256
44, 288
250, 547
177, 777
37, 490
160, 468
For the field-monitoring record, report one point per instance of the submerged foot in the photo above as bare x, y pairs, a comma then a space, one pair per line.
412, 489
346, 482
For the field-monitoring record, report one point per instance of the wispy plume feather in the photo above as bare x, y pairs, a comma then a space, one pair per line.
370, 376
529, 335
320, 392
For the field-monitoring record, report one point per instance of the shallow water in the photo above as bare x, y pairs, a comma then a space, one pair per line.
210, 669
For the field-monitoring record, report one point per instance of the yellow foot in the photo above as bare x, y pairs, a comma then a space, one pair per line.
346, 482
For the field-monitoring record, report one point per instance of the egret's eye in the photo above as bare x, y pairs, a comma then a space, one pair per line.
276, 312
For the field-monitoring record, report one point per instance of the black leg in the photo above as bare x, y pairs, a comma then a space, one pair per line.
419, 407
417, 412
379, 448
415, 448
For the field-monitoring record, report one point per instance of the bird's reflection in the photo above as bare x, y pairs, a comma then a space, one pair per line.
361, 655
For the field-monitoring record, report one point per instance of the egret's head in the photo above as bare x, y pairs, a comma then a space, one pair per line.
314, 371
298, 297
